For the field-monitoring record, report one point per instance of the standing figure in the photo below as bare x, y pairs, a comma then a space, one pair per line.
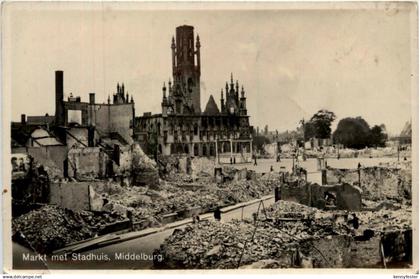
217, 214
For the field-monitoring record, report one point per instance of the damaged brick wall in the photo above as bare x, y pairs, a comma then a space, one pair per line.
347, 196
51, 157
196, 165
87, 163
377, 183
296, 193
75, 196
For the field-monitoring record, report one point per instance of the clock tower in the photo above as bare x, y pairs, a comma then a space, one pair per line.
186, 71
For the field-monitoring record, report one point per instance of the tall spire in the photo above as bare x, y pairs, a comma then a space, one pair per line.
173, 43
197, 44
231, 78
222, 101
173, 54
164, 90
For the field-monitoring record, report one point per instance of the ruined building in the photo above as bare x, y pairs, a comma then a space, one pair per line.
82, 136
181, 127
107, 120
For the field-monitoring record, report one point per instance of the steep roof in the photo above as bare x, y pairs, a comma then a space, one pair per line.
406, 132
211, 107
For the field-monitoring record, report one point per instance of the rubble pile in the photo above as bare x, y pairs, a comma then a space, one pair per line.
182, 192
168, 166
144, 170
380, 152
287, 234
211, 244
147, 203
378, 183
59, 227
386, 219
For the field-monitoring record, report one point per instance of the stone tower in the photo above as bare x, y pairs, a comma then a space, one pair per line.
186, 70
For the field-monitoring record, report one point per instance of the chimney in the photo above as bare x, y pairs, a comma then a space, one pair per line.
59, 95
23, 119
92, 98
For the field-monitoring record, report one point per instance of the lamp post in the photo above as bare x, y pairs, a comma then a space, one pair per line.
217, 152
304, 141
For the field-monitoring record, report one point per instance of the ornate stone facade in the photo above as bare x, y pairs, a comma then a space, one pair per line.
182, 128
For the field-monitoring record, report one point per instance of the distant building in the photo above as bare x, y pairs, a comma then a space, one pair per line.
181, 127
405, 135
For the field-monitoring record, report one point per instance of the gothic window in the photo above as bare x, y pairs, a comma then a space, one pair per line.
158, 128
165, 136
195, 129
190, 84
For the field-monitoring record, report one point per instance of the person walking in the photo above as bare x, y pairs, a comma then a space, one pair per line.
217, 214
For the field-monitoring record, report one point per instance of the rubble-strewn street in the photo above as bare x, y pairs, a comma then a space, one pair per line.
179, 194
290, 234
147, 146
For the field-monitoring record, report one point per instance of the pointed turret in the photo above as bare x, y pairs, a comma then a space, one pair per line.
164, 90
222, 101
232, 85
243, 102
197, 44
173, 42
173, 54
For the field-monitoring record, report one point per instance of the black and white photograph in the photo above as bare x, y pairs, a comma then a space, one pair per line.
210, 136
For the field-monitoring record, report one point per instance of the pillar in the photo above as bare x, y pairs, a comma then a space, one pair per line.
231, 149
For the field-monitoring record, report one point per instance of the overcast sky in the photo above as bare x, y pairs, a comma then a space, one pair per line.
354, 62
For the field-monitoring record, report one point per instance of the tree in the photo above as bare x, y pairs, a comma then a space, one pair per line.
319, 126
259, 142
309, 130
378, 136
355, 133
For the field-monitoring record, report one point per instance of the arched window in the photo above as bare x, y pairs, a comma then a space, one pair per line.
195, 129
